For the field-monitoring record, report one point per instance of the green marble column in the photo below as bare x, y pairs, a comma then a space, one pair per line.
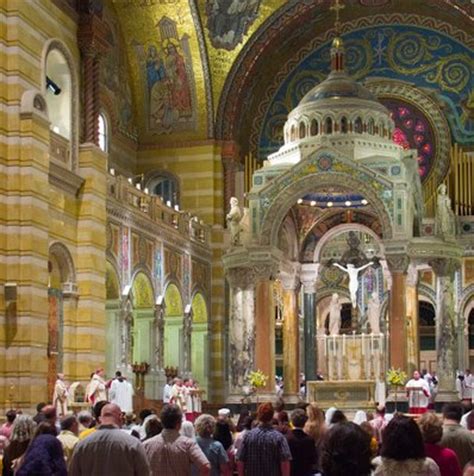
310, 344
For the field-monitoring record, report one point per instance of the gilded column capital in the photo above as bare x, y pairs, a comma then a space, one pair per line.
398, 263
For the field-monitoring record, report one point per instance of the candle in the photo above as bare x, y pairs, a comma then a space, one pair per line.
343, 344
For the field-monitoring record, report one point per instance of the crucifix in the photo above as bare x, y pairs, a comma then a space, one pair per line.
337, 7
353, 273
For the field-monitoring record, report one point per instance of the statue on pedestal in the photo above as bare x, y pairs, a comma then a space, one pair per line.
445, 218
353, 273
373, 313
234, 218
334, 315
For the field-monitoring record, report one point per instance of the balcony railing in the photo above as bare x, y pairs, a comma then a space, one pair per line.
153, 207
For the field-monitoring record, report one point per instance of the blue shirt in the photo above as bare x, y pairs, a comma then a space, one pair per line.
214, 452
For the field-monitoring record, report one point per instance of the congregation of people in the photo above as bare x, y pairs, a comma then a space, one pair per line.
273, 441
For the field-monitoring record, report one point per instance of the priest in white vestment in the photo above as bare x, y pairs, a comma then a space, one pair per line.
97, 390
418, 393
121, 393
60, 396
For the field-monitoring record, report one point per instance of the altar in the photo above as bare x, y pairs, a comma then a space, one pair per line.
355, 371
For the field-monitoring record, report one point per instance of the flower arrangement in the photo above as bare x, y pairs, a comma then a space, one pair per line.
396, 377
257, 379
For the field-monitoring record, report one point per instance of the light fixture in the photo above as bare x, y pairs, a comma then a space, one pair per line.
176, 207
146, 190
56, 129
299, 201
138, 186
348, 203
52, 86
312, 203
112, 171
364, 201
126, 290
330, 204
168, 203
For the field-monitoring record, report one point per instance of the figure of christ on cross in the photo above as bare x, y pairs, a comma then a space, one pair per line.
353, 273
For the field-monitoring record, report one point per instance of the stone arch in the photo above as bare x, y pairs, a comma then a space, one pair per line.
288, 196
64, 259
56, 44
33, 101
173, 328
143, 294
341, 229
112, 281
430, 108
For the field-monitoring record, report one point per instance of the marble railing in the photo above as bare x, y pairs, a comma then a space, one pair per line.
153, 207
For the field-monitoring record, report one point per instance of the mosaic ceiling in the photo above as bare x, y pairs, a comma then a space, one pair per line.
208, 68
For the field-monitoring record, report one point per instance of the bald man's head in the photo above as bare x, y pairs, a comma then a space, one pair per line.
111, 415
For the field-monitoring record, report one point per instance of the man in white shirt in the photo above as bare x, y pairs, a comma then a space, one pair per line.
418, 393
121, 393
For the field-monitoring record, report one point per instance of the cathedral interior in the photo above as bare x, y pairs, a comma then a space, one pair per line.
345, 131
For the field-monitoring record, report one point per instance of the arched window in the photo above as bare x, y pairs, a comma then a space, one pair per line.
103, 133
293, 133
166, 186
328, 126
371, 127
58, 93
358, 126
314, 127
344, 125
302, 130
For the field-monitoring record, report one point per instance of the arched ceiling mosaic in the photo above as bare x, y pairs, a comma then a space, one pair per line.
211, 68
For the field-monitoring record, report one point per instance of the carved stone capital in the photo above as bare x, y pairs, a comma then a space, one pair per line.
309, 277
398, 263
265, 271
241, 278
444, 267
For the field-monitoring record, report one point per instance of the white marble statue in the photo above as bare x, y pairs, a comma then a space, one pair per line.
334, 315
445, 219
234, 218
373, 313
353, 273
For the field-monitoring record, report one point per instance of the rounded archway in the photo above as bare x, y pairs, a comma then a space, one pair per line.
61, 285
113, 324
199, 342
143, 318
173, 341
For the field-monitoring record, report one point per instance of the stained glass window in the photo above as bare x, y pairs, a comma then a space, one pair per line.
413, 131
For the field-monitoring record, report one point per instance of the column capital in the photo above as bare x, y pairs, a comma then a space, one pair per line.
309, 277
290, 275
444, 267
241, 277
398, 263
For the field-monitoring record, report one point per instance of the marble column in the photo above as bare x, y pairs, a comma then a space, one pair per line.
241, 330
159, 338
309, 274
265, 332
412, 328
398, 265
446, 357
187, 330
291, 370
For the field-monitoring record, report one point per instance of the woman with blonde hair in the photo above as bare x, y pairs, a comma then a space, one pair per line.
214, 451
315, 426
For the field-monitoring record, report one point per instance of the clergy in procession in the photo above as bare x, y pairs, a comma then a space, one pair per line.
97, 390
177, 394
418, 393
121, 393
60, 396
